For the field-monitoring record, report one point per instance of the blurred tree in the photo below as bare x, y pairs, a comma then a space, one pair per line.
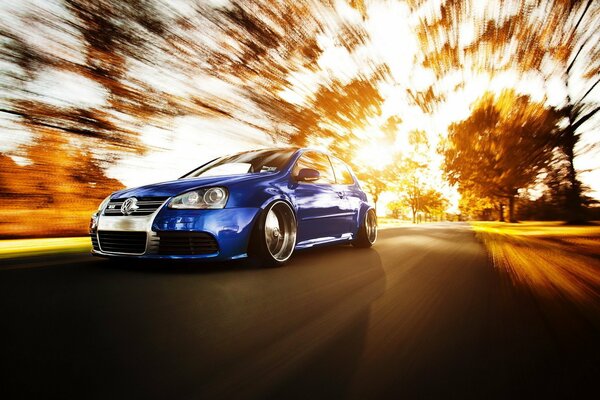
578, 48
390, 129
113, 33
335, 113
375, 181
547, 199
555, 40
384, 178
502, 147
418, 195
412, 187
473, 206
8, 179
556, 183
75, 180
433, 204
412, 170
417, 138
151, 59
420, 198
396, 208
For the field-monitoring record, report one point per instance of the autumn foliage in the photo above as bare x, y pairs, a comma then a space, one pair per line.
51, 196
307, 73
506, 142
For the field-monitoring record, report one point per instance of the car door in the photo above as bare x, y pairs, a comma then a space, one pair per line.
321, 213
347, 188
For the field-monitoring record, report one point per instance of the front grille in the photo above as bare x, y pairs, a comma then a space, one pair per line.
186, 243
122, 242
146, 206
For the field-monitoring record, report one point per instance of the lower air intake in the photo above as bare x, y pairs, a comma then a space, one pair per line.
122, 242
187, 243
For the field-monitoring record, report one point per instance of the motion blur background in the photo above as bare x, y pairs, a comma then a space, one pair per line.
446, 109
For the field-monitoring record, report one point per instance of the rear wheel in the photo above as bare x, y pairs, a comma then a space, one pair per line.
274, 236
367, 232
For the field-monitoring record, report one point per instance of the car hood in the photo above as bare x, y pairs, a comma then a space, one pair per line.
173, 188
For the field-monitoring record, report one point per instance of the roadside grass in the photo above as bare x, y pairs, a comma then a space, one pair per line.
388, 222
384, 222
29, 247
40, 232
549, 257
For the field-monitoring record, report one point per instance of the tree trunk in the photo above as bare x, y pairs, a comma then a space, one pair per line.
511, 209
501, 214
573, 196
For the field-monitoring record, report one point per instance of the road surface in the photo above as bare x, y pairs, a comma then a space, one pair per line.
422, 314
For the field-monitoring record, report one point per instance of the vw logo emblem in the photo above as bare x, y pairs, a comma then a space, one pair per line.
129, 206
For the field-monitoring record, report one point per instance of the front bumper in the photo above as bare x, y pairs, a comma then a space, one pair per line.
230, 227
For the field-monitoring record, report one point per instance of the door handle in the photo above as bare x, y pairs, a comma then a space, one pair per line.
340, 195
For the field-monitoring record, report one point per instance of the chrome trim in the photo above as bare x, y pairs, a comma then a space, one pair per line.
342, 214
319, 241
152, 243
115, 206
131, 223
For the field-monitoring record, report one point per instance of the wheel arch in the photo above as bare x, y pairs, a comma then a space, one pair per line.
364, 209
265, 205
279, 197
256, 246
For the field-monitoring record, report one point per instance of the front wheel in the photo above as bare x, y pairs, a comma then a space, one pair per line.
274, 237
367, 231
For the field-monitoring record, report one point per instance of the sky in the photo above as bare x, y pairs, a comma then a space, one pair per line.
190, 141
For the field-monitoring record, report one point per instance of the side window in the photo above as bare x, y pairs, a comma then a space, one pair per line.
342, 173
317, 161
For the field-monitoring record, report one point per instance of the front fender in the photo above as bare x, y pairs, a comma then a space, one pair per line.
257, 193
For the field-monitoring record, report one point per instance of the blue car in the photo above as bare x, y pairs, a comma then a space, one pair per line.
262, 204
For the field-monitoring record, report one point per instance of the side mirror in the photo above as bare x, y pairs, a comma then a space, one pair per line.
308, 175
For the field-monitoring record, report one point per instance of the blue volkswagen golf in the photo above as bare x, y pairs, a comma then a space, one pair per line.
262, 204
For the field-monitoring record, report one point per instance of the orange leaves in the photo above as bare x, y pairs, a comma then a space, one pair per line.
503, 145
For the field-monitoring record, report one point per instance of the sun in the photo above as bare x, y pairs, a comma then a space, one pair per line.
374, 155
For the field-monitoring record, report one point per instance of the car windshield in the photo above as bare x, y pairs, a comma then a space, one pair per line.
258, 161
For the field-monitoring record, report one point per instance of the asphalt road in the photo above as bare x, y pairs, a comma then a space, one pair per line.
423, 314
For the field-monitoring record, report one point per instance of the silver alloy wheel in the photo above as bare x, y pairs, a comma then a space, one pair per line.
280, 231
371, 226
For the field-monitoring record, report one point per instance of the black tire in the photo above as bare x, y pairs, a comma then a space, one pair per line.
270, 247
367, 232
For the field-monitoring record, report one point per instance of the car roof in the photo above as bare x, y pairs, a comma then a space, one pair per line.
297, 150
282, 148
269, 149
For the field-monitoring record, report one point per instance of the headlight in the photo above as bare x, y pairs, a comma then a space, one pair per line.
103, 204
211, 198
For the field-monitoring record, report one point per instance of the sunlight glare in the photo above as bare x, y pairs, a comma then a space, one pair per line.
376, 155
